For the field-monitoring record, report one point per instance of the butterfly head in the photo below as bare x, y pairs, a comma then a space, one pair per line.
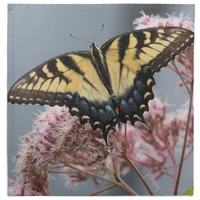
94, 49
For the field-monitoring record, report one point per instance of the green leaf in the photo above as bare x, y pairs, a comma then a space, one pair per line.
189, 191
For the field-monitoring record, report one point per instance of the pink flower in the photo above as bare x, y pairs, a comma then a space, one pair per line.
187, 70
14, 189
146, 21
59, 138
153, 150
58, 133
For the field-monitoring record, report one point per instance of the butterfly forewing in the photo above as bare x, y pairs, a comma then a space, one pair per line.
155, 47
48, 83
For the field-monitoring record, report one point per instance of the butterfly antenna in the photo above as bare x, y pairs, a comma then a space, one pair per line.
81, 39
99, 32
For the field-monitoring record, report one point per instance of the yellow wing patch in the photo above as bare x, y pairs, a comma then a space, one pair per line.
148, 37
120, 84
132, 41
46, 71
61, 87
71, 73
96, 89
54, 85
151, 52
127, 53
45, 85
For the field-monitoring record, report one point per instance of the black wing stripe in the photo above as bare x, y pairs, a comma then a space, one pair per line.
140, 39
83, 54
42, 74
71, 64
66, 79
122, 45
154, 35
104, 75
51, 66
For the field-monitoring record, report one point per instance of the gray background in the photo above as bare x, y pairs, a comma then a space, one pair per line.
39, 32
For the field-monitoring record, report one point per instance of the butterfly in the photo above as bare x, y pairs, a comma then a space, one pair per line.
108, 85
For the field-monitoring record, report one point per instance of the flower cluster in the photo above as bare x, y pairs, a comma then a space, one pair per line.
147, 21
58, 139
186, 59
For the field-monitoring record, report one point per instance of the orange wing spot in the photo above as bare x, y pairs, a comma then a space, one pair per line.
117, 110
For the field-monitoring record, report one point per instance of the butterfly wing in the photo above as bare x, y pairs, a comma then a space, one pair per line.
154, 46
72, 80
49, 83
69, 79
132, 59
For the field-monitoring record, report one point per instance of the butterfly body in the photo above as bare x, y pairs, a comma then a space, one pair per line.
107, 85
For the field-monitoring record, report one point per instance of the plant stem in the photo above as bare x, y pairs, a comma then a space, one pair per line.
125, 186
186, 156
90, 174
184, 144
125, 143
56, 167
139, 175
103, 190
57, 172
174, 166
122, 184
164, 171
135, 169
186, 86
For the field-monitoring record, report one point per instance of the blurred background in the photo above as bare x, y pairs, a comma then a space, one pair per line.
39, 32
